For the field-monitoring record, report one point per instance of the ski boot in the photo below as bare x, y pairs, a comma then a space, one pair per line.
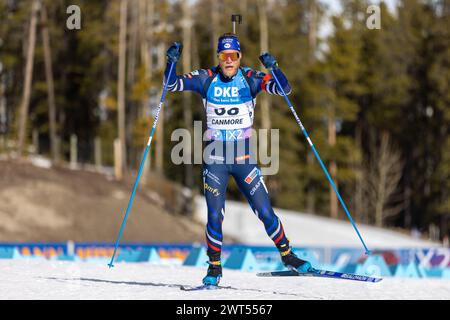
214, 274
292, 262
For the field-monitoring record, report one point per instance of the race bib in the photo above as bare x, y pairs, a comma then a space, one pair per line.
229, 116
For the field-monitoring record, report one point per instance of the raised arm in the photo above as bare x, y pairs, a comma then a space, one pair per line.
192, 81
266, 82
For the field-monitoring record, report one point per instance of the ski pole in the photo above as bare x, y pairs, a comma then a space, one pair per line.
320, 161
130, 202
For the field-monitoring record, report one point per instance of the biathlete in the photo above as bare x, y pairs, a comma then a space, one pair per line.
229, 95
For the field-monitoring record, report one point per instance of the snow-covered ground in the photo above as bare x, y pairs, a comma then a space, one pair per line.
46, 279
307, 230
50, 279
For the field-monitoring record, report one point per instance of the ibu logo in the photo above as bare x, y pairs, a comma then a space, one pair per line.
226, 92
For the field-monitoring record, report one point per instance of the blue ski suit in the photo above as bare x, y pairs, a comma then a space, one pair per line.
229, 106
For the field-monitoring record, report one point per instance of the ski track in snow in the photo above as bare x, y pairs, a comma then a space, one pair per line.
43, 279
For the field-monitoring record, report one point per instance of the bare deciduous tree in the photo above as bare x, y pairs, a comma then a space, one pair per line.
159, 148
264, 47
50, 84
23, 119
187, 111
381, 178
121, 81
146, 19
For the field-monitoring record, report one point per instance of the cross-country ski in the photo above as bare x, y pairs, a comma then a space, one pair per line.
320, 273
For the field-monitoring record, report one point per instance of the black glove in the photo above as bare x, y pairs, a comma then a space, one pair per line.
268, 61
174, 52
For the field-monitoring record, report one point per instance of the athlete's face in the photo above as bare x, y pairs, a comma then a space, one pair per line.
228, 65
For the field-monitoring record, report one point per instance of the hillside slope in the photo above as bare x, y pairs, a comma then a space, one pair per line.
58, 204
